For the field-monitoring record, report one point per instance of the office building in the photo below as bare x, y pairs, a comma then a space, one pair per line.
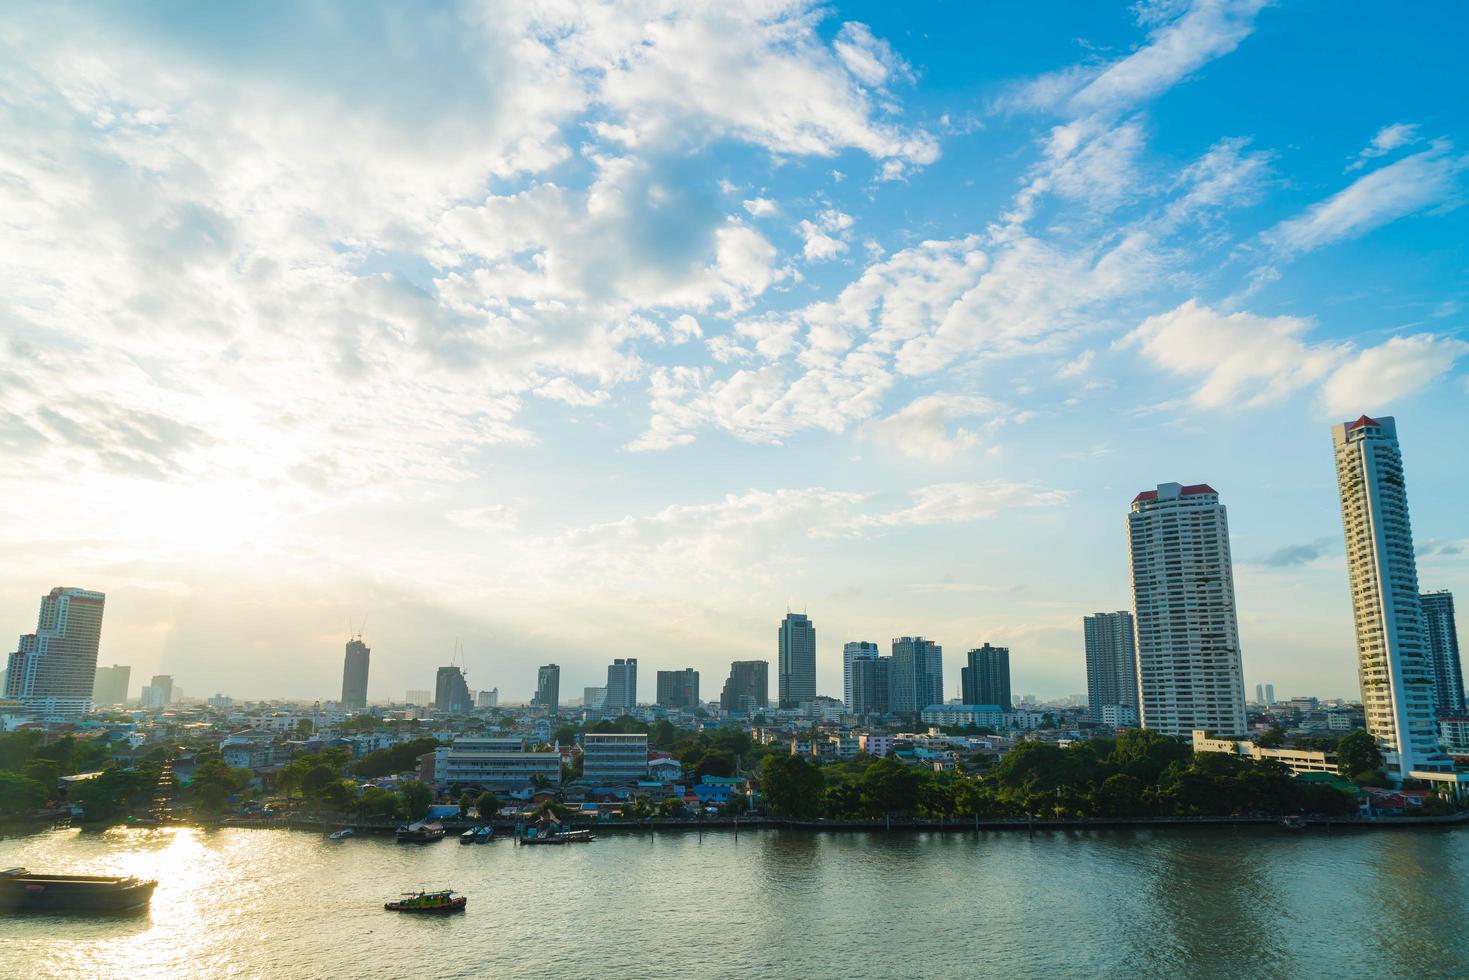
53, 670
748, 688
111, 685
159, 693
1443, 652
451, 692
1269, 693
622, 686
354, 675
986, 679
1392, 654
916, 676
796, 682
1111, 662
678, 688
495, 764
548, 688
488, 699
614, 758
851, 653
1189, 671
593, 697
868, 682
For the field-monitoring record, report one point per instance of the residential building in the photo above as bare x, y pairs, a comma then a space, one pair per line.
1259, 688
869, 680
593, 697
1443, 652
1119, 716
159, 693
797, 665
748, 688
1296, 760
488, 699
1111, 662
1392, 656
916, 677
1189, 671
877, 746
961, 715
451, 693
354, 675
548, 688
986, 679
419, 698
53, 670
110, 685
494, 763
678, 688
851, 653
613, 758
622, 686
1453, 734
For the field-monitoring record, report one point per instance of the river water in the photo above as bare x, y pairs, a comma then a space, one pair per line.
1116, 903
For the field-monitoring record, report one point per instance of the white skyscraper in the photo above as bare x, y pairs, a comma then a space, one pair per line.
55, 668
1392, 654
1188, 659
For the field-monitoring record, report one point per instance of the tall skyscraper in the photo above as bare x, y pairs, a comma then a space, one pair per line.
852, 652
1259, 688
622, 685
111, 685
451, 693
1269, 693
354, 675
870, 692
986, 679
159, 693
678, 688
1189, 672
748, 688
548, 688
1111, 663
1443, 652
797, 678
53, 669
1392, 654
916, 677
593, 697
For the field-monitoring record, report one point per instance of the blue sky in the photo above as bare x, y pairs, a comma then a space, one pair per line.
600, 331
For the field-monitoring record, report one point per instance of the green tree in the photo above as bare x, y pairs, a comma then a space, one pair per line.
316, 779
305, 727
16, 748
792, 787
1120, 795
399, 758
1357, 753
20, 794
375, 802
890, 786
214, 783
716, 762
1272, 738
487, 804
416, 797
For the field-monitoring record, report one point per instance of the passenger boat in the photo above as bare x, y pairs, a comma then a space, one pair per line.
444, 901
469, 835
484, 834
422, 832
22, 890
342, 834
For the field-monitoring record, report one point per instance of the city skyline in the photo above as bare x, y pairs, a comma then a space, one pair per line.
885, 316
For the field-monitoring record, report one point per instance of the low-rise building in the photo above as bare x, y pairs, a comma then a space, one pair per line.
961, 715
877, 746
493, 763
1296, 760
612, 757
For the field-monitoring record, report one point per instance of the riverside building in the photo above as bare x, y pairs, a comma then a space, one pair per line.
53, 670
1111, 666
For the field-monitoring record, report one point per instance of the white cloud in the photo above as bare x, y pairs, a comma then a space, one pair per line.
1379, 376
871, 59
1415, 183
1388, 138
761, 207
949, 503
922, 428
494, 517
819, 246
568, 392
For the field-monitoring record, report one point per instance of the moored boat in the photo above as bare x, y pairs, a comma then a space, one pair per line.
469, 835
421, 832
440, 901
22, 890
484, 834
342, 834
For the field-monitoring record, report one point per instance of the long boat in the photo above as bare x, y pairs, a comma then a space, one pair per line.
561, 837
420, 833
22, 890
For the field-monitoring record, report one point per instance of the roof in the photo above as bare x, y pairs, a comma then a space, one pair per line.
1364, 420
1188, 491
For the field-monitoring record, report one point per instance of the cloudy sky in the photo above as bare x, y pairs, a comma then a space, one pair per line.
571, 331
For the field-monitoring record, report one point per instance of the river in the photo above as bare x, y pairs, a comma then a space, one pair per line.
1114, 903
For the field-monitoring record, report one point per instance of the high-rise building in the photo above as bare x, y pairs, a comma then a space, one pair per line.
111, 685
622, 685
916, 677
593, 697
53, 670
870, 694
986, 680
1111, 662
354, 675
488, 699
1189, 671
851, 653
159, 693
1259, 688
418, 698
548, 688
797, 665
1269, 693
1443, 652
748, 688
1392, 652
451, 692
678, 688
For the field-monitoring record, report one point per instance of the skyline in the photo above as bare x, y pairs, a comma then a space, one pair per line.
620, 374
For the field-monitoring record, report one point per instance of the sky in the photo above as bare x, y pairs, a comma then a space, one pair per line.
571, 331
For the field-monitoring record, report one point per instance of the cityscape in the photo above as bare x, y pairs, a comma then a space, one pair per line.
678, 489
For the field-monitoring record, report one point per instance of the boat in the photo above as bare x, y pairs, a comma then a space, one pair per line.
469, 835
22, 890
1293, 823
442, 901
421, 832
484, 834
342, 834
560, 837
